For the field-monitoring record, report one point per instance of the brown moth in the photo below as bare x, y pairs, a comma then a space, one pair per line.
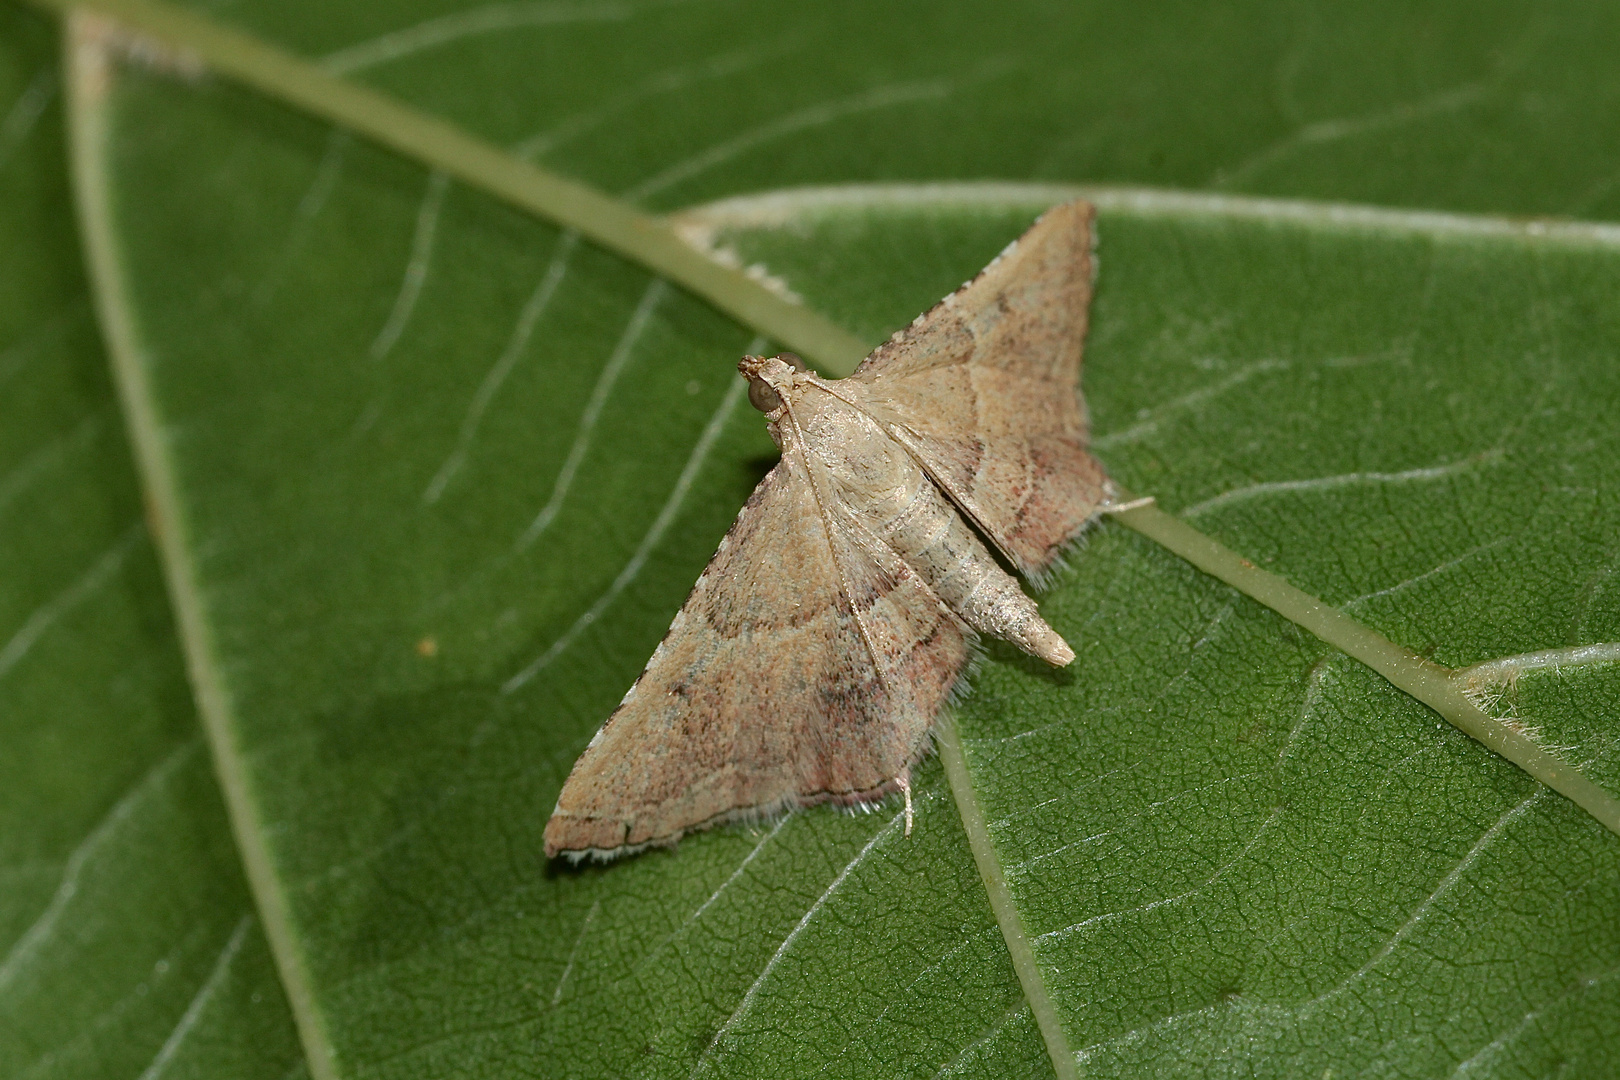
816, 650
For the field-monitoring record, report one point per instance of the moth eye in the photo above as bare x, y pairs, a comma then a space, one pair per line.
793, 361
762, 397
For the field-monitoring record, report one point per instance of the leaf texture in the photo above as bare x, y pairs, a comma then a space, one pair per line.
128, 942
425, 445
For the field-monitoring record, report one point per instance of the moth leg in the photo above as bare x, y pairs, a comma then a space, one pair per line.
1134, 504
904, 783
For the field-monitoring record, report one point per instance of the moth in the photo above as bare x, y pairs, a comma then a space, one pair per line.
838, 614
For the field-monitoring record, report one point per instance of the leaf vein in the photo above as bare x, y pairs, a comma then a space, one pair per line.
25, 112
593, 409
416, 268
1445, 885
210, 987
793, 935
666, 81
495, 378
34, 938
36, 464
881, 97
489, 19
1327, 131
1152, 905
1328, 483
649, 542
46, 615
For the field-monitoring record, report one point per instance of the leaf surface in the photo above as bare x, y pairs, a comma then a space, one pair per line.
127, 938
422, 446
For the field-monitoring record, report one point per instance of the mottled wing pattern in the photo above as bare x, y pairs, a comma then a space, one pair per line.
984, 390
764, 695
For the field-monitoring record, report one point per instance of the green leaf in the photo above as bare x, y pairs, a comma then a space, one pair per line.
388, 493
1460, 106
127, 938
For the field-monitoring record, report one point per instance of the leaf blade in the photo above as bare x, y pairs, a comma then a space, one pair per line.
127, 939
564, 599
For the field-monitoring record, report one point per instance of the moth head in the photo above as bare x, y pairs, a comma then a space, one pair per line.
770, 379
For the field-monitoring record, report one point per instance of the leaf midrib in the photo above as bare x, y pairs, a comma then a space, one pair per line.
88, 71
